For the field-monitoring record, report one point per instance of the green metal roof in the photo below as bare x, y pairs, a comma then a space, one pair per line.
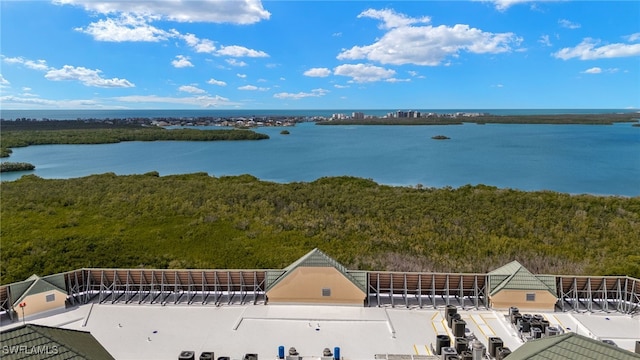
514, 276
316, 258
570, 346
42, 342
36, 285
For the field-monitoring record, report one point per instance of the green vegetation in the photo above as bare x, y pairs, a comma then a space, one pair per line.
200, 221
585, 119
15, 166
285, 132
18, 138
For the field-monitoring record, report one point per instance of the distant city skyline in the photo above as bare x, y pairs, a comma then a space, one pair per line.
252, 54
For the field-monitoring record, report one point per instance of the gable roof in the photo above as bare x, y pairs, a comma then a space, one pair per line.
316, 258
37, 342
36, 285
570, 346
514, 276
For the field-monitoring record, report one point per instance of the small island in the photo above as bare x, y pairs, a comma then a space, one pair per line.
16, 166
284, 132
440, 137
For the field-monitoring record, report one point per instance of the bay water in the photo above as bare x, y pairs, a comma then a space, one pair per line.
576, 159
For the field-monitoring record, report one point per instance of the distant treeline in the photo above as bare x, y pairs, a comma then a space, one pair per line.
201, 221
18, 138
16, 166
583, 119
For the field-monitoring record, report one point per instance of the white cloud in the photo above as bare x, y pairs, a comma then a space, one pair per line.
240, 51
191, 89
202, 101
25, 88
126, 27
544, 40
213, 81
361, 73
588, 50
300, 95
87, 77
3, 81
234, 62
395, 80
568, 24
593, 70
236, 11
338, 86
597, 70
317, 72
242, 76
199, 45
181, 61
503, 5
429, 45
391, 19
31, 64
252, 88
633, 37
19, 103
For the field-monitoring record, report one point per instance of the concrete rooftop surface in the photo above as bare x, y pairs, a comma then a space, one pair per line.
161, 332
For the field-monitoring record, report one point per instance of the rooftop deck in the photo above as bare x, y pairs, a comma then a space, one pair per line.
155, 331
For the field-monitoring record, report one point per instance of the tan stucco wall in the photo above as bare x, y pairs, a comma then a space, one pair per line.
305, 284
37, 303
518, 298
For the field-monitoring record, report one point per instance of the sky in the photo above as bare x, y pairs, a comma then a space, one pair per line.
306, 54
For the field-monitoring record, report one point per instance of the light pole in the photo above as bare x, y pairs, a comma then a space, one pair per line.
22, 306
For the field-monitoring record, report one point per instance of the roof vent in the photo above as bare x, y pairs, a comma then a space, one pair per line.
187, 355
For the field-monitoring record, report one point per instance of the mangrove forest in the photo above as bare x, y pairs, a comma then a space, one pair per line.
202, 221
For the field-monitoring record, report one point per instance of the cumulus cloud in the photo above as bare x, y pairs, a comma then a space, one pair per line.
588, 49
633, 37
503, 5
361, 73
317, 72
242, 76
240, 51
31, 64
427, 45
213, 81
597, 70
391, 19
181, 61
252, 88
300, 95
593, 70
126, 27
202, 101
234, 62
87, 77
568, 24
191, 89
199, 45
216, 11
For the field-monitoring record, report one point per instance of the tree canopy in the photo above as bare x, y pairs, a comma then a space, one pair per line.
202, 221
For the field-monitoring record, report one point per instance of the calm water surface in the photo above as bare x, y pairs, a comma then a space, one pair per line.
566, 158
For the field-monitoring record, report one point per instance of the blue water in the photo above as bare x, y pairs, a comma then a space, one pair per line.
595, 159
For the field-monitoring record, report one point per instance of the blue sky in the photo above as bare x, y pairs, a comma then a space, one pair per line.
251, 54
